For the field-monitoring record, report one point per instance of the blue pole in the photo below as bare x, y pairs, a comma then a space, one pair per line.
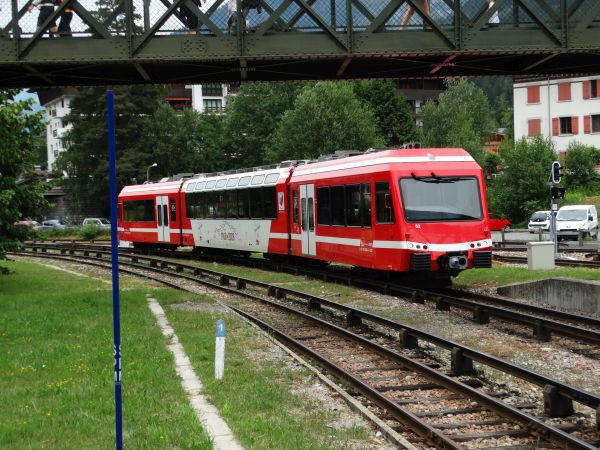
114, 243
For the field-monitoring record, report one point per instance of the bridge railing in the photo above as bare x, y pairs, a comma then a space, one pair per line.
449, 19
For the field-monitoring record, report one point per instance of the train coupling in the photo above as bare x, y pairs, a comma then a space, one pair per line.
458, 262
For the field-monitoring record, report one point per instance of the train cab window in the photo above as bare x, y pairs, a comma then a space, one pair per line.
190, 187
243, 202
270, 202
173, 210
353, 205
210, 184
295, 205
257, 179
272, 178
232, 182
232, 212
200, 185
256, 203
323, 206
337, 206
303, 208
244, 181
221, 183
384, 209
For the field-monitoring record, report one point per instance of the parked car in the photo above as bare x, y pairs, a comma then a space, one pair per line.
497, 222
572, 219
540, 220
98, 222
34, 224
54, 223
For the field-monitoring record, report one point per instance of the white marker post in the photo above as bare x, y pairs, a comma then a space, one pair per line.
220, 350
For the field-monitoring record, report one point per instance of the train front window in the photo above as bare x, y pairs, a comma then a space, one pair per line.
434, 198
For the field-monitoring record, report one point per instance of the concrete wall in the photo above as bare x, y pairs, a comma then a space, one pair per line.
563, 293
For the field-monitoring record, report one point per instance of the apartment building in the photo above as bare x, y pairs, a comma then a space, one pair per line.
565, 110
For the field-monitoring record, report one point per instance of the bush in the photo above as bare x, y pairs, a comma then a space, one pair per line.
89, 232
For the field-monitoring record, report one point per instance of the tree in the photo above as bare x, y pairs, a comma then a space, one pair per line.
86, 157
579, 164
461, 118
522, 187
180, 142
20, 192
252, 118
326, 117
391, 109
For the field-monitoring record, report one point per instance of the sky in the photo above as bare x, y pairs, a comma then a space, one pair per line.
24, 95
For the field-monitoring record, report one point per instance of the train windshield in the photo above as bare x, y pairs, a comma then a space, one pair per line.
440, 199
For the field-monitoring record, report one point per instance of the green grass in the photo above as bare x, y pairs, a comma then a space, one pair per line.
56, 376
501, 275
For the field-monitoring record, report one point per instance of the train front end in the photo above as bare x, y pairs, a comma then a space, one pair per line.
443, 213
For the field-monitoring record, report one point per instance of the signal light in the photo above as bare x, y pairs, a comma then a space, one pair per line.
557, 192
556, 172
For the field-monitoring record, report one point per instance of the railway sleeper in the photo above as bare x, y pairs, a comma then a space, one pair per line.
441, 304
224, 280
313, 305
540, 331
489, 435
407, 340
460, 364
352, 319
555, 404
480, 315
471, 423
240, 285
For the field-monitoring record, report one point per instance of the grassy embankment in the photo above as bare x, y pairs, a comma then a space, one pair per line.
56, 376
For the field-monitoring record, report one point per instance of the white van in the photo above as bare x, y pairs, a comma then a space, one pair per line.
540, 220
574, 218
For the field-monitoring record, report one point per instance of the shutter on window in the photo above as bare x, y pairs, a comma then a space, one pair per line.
555, 126
533, 94
575, 125
586, 89
587, 124
564, 91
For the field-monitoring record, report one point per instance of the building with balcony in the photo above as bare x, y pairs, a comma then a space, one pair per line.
565, 110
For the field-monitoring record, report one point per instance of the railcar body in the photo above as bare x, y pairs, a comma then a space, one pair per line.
399, 211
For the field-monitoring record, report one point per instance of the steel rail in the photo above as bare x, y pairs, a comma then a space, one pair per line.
558, 262
578, 395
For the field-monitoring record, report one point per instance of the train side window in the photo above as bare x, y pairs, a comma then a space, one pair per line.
272, 178
256, 203
257, 179
353, 205
304, 221
243, 204
311, 214
166, 215
231, 204
221, 204
210, 205
138, 211
365, 204
190, 187
270, 202
159, 216
337, 206
384, 209
244, 181
200, 185
221, 183
189, 207
323, 206
295, 205
173, 210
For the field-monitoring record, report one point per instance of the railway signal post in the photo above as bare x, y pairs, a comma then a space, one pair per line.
555, 194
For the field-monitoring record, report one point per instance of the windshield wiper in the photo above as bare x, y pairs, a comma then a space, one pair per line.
436, 179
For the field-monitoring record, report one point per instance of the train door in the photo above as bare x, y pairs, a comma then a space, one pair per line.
307, 219
162, 218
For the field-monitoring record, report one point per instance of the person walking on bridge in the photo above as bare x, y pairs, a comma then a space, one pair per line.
46, 8
64, 26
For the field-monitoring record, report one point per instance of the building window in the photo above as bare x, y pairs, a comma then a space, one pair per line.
212, 90
564, 92
53, 113
534, 127
533, 94
566, 125
595, 123
62, 103
594, 88
212, 104
54, 133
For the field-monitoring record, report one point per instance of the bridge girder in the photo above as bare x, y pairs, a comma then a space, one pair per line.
146, 41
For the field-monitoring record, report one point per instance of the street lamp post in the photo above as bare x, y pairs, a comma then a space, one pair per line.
148, 172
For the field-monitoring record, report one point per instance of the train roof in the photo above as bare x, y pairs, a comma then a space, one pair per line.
414, 156
166, 187
255, 177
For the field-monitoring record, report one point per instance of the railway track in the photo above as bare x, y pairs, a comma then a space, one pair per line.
559, 261
543, 322
435, 404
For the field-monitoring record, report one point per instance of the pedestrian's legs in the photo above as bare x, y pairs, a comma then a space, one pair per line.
64, 26
45, 12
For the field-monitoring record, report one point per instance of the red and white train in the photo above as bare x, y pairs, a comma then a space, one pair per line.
419, 211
